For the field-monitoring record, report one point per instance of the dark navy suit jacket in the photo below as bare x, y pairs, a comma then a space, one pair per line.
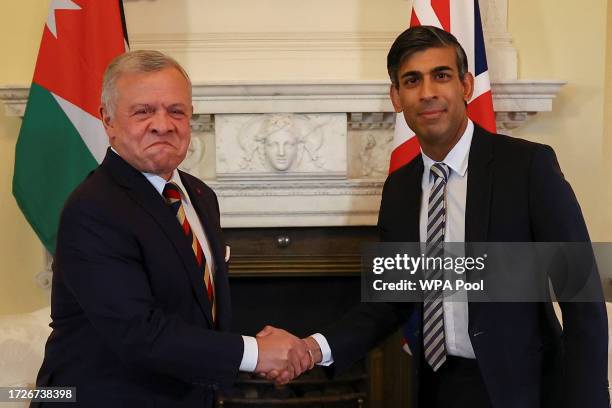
515, 193
132, 325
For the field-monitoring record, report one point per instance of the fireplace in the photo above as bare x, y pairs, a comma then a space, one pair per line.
301, 279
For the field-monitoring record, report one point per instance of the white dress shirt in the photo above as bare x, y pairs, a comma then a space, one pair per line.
251, 352
455, 307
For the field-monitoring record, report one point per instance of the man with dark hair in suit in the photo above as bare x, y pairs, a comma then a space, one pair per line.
140, 299
469, 185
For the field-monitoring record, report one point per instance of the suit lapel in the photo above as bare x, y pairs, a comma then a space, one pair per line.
478, 200
414, 231
408, 223
479, 186
414, 201
406, 204
145, 195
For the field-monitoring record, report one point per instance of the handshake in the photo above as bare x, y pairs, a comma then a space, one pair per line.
283, 356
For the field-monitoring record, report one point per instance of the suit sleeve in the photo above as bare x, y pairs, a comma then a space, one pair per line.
556, 217
99, 261
364, 326
361, 329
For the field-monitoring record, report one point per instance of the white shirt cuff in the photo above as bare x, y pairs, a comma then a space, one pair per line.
250, 354
326, 353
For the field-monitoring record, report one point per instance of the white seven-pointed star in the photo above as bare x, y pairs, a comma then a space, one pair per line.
58, 5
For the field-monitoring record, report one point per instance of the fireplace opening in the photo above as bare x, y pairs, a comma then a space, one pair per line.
301, 305
302, 279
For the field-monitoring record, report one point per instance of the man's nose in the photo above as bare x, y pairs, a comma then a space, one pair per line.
281, 149
161, 122
428, 89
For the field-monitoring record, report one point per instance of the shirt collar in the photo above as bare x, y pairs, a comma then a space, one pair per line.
158, 182
457, 158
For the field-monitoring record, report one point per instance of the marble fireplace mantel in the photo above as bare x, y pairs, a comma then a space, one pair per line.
338, 136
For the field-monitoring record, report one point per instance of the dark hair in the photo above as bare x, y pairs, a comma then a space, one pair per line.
421, 38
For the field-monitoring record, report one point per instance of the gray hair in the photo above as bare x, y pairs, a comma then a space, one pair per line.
139, 61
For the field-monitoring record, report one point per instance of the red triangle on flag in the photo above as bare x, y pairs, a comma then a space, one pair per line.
72, 65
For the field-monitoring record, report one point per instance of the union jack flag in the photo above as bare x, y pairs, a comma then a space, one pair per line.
462, 19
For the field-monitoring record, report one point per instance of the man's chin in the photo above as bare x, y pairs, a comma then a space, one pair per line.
163, 167
432, 132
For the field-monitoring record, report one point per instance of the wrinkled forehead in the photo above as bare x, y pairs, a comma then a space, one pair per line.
167, 85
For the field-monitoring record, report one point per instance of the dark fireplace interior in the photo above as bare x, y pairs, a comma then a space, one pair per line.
301, 305
302, 279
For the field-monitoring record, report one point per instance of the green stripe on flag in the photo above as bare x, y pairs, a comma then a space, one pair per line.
51, 159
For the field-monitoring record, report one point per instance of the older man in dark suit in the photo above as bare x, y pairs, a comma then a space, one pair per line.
140, 300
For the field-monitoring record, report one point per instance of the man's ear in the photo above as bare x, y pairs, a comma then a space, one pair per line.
106, 119
395, 99
468, 86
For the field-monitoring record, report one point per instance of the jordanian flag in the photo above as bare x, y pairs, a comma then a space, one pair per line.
62, 138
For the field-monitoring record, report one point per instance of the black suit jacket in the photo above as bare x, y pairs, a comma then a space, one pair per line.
515, 193
132, 325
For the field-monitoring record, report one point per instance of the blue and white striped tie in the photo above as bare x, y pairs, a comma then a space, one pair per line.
433, 310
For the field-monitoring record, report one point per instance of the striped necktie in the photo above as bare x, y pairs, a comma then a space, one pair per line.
172, 194
433, 310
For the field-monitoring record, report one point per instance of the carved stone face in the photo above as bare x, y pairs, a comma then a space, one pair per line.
281, 148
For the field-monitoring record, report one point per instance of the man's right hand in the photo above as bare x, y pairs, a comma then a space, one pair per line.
281, 355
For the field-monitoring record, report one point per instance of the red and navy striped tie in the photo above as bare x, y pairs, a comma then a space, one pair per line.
172, 194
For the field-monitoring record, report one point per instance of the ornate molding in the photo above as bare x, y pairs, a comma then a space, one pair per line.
516, 101
281, 146
307, 203
202, 123
525, 95
508, 121
370, 153
14, 98
369, 121
195, 153
290, 188
44, 278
